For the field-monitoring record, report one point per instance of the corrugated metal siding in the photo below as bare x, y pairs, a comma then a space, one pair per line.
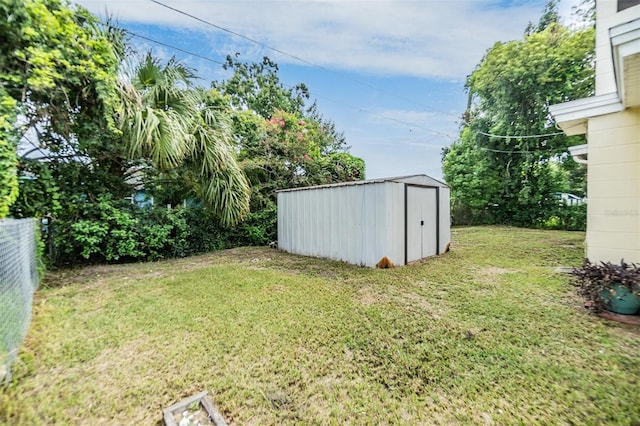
445, 218
373, 214
394, 223
343, 223
358, 224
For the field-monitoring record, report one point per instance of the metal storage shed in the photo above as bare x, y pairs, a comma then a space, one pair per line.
404, 218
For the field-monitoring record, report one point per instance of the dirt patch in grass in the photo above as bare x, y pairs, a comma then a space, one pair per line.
492, 272
368, 296
426, 305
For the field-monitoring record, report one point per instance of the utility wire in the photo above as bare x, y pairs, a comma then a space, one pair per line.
544, 135
259, 43
406, 123
233, 33
355, 80
173, 47
328, 70
500, 151
297, 58
493, 135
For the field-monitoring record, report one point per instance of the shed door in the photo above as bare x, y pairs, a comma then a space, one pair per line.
421, 222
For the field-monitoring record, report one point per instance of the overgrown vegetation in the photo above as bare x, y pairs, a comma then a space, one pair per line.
109, 231
510, 159
99, 131
57, 72
486, 333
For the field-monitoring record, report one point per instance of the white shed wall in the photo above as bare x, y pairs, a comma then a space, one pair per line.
357, 223
445, 218
394, 224
345, 223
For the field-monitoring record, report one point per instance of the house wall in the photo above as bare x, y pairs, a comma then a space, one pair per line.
608, 17
611, 120
613, 179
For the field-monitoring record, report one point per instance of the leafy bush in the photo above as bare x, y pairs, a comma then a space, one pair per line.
105, 230
260, 228
555, 216
568, 218
109, 230
462, 214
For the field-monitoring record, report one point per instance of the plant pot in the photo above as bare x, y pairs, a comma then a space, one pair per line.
621, 300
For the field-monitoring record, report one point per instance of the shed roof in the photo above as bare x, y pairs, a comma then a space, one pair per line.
405, 179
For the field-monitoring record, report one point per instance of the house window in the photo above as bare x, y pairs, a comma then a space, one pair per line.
626, 4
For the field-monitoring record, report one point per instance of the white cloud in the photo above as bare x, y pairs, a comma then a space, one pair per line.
441, 39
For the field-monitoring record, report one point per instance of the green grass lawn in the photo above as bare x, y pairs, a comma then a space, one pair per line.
486, 334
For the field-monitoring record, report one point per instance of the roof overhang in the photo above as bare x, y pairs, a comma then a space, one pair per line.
572, 116
625, 43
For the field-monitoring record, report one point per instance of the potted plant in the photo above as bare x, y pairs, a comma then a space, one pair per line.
609, 286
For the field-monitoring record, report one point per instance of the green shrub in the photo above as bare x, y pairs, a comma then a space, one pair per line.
108, 230
260, 228
568, 218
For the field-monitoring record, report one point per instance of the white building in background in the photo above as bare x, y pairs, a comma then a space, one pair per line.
611, 122
404, 218
569, 199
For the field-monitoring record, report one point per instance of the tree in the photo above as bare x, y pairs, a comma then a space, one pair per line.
281, 142
502, 167
257, 87
549, 16
287, 151
56, 64
171, 123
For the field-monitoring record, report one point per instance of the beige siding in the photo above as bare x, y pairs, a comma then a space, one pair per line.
632, 80
613, 135
608, 17
605, 78
614, 187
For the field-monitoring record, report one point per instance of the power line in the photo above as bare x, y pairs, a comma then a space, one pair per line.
544, 135
297, 58
493, 135
174, 47
406, 123
508, 137
352, 79
233, 33
500, 151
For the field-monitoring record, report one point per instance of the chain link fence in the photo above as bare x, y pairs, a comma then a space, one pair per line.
18, 282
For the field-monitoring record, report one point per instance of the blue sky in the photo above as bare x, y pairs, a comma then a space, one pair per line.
389, 73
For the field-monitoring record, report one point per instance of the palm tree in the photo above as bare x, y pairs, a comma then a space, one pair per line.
168, 121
